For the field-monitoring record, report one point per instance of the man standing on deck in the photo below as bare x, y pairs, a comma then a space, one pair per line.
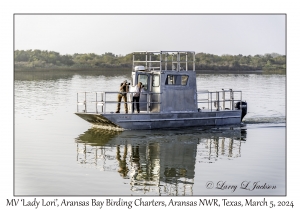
136, 97
124, 87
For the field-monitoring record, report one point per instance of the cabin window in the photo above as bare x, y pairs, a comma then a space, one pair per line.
143, 78
155, 80
177, 80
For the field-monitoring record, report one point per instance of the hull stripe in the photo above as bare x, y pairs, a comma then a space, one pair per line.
179, 119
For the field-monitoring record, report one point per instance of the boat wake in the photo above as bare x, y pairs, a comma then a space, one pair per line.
266, 121
108, 127
258, 120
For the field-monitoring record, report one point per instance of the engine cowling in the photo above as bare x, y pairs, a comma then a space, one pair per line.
242, 106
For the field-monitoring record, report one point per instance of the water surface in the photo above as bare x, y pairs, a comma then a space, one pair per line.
57, 153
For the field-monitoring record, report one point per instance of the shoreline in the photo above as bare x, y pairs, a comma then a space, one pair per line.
126, 70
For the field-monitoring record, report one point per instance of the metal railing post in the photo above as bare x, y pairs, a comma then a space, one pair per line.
232, 99
241, 101
85, 102
210, 99
150, 63
148, 102
178, 61
223, 99
96, 104
131, 102
77, 102
146, 60
166, 61
186, 61
102, 102
160, 61
104, 105
217, 98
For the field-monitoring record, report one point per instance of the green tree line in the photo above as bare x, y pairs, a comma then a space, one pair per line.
38, 59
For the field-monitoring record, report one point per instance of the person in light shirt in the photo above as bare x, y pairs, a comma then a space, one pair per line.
136, 96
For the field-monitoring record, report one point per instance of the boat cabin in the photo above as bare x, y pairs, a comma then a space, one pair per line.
169, 81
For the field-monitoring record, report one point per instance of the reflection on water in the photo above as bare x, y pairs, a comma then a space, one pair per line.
161, 162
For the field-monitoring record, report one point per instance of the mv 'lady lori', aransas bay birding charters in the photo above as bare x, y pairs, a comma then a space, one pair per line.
169, 97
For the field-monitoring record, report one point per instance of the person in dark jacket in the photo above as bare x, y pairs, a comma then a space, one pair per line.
124, 87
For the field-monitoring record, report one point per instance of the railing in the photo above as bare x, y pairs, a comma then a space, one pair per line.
98, 102
218, 100
165, 60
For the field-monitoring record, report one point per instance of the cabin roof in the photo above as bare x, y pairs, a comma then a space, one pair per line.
164, 60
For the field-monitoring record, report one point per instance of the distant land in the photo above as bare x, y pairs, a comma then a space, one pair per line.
36, 60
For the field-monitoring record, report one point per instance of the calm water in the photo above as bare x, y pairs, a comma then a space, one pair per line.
57, 153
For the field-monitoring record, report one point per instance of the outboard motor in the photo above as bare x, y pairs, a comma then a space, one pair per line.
242, 105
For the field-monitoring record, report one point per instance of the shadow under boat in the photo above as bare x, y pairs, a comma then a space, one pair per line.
100, 137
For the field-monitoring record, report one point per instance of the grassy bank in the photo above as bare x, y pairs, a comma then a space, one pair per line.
37, 60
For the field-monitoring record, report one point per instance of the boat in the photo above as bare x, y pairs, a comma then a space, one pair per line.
169, 99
